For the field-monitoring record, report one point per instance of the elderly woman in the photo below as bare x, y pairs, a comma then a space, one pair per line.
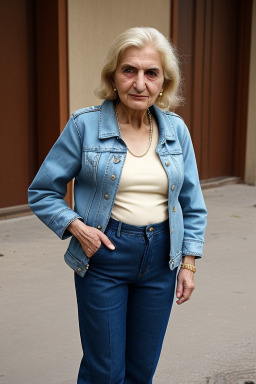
139, 217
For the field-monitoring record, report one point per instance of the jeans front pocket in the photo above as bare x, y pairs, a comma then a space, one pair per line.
110, 234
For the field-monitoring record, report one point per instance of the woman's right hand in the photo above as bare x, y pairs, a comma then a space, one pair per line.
90, 238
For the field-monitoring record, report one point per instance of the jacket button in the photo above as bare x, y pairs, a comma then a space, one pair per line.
174, 209
173, 187
172, 231
87, 266
79, 269
113, 177
99, 227
106, 196
167, 163
151, 229
116, 160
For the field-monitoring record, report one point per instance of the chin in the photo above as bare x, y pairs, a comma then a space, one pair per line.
138, 104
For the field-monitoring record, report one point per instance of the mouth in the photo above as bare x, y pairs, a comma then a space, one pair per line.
138, 97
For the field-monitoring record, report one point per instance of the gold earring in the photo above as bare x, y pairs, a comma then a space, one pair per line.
114, 89
161, 94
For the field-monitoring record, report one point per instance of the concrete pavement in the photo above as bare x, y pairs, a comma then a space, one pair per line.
211, 339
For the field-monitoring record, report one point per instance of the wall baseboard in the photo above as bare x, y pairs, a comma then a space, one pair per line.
220, 181
15, 211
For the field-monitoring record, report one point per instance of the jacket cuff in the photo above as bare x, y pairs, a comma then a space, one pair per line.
61, 221
192, 247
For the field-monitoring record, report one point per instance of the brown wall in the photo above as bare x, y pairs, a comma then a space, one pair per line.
16, 97
33, 90
214, 39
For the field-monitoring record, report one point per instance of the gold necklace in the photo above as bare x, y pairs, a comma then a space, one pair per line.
150, 136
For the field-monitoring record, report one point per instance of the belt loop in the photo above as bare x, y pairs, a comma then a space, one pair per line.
118, 232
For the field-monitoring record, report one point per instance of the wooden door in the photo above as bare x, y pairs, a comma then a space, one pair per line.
33, 90
213, 37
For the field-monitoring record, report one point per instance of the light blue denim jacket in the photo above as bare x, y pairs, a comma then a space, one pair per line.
91, 150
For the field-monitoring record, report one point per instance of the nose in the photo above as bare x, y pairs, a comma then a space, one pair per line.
140, 83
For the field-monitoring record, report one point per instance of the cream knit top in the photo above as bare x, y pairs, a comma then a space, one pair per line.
142, 196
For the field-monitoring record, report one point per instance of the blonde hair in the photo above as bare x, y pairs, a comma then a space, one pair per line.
139, 37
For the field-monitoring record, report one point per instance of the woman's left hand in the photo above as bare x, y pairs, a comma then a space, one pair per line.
185, 282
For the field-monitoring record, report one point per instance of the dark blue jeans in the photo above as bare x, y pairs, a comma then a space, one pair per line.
124, 304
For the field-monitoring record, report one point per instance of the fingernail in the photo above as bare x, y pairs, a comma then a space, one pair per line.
112, 246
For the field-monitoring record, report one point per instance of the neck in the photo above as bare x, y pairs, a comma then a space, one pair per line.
133, 117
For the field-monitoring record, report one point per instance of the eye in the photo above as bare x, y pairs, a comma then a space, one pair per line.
129, 71
151, 73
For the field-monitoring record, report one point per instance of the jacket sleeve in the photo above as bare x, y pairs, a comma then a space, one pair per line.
192, 202
48, 189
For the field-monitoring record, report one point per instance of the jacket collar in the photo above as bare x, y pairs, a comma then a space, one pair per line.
108, 126
165, 125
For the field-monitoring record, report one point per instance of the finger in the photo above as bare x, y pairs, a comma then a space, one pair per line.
105, 240
179, 290
187, 291
89, 253
91, 248
180, 301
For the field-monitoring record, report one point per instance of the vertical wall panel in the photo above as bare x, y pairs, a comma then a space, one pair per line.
222, 87
52, 74
198, 90
205, 101
48, 125
245, 30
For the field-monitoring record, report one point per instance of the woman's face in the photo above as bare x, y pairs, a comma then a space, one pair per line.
139, 77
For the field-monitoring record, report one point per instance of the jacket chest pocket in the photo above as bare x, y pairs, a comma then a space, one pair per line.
99, 164
91, 161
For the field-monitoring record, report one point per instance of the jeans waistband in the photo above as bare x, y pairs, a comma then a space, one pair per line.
151, 228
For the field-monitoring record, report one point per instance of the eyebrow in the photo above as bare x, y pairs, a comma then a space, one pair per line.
157, 69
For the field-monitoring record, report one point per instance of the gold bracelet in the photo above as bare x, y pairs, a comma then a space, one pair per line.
189, 266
